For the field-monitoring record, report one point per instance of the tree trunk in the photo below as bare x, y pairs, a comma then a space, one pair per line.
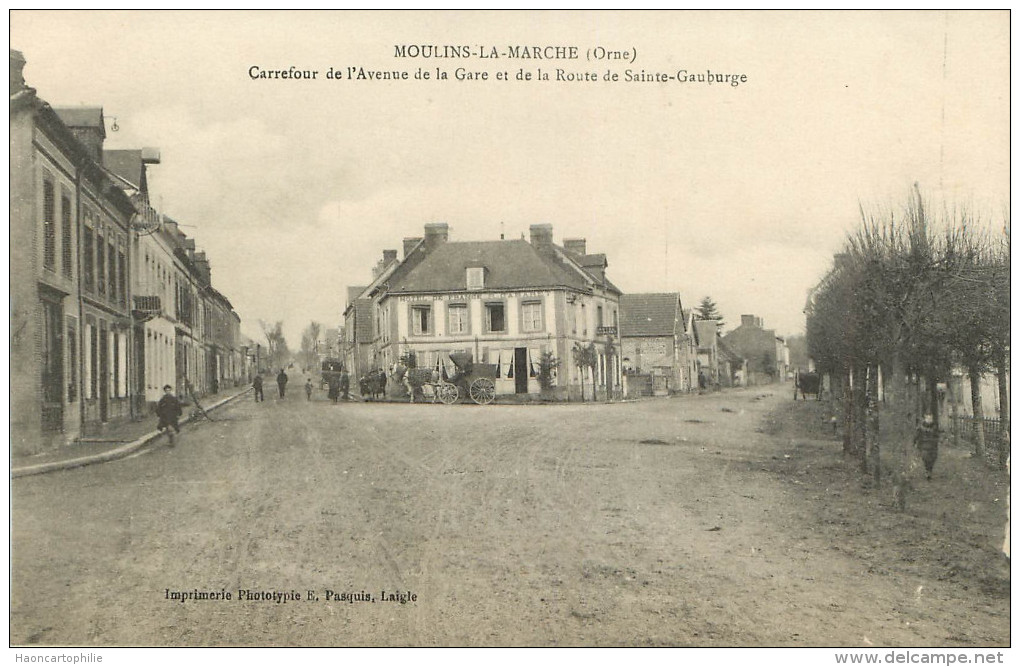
979, 413
933, 403
849, 408
1002, 369
954, 407
873, 458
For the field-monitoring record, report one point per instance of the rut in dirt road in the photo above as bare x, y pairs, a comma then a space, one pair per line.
663, 522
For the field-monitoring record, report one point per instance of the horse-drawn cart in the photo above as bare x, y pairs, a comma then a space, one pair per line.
471, 380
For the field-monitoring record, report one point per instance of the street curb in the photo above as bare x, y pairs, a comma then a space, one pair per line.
113, 454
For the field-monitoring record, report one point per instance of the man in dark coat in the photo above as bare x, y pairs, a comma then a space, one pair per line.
281, 383
256, 384
334, 387
168, 409
345, 385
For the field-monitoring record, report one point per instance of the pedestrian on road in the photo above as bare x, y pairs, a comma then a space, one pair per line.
168, 409
281, 383
345, 385
308, 388
334, 387
257, 386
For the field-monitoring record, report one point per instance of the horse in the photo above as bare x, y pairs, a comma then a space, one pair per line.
373, 384
416, 378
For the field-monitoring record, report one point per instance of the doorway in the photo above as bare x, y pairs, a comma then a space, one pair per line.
104, 372
521, 370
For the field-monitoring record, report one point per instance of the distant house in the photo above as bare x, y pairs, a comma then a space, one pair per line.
506, 302
356, 348
768, 358
706, 338
658, 350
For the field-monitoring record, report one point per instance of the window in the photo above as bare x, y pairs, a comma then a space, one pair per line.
49, 226
573, 319
115, 355
584, 320
87, 250
52, 359
100, 263
531, 316
122, 374
72, 359
475, 278
92, 362
122, 276
112, 273
495, 317
458, 318
66, 248
598, 317
421, 320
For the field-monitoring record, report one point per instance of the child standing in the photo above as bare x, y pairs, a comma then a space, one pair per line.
308, 388
168, 410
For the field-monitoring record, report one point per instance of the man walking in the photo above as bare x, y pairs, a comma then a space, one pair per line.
308, 388
168, 409
281, 383
345, 385
256, 384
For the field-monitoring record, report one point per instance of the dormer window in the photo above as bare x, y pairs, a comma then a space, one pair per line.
475, 277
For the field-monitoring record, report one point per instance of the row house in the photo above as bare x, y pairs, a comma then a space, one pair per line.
659, 354
506, 302
70, 318
96, 312
768, 358
718, 365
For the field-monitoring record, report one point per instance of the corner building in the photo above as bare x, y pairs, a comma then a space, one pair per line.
506, 302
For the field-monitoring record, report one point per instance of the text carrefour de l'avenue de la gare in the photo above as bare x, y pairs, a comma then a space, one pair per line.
567, 64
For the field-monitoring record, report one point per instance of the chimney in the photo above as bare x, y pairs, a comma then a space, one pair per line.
87, 126
575, 246
203, 268
388, 256
436, 233
17, 71
748, 320
541, 236
409, 244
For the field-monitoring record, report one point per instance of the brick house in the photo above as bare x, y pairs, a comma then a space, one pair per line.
658, 351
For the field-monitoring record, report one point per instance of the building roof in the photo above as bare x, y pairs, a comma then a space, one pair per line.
513, 264
649, 314
729, 354
706, 331
127, 164
82, 117
353, 292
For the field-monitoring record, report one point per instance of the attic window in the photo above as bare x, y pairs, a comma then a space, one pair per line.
475, 277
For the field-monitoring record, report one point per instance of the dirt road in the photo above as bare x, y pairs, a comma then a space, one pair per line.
704, 521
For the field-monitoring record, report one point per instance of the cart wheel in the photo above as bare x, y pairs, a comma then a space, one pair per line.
483, 391
447, 393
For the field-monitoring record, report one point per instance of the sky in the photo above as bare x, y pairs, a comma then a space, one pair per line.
294, 187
